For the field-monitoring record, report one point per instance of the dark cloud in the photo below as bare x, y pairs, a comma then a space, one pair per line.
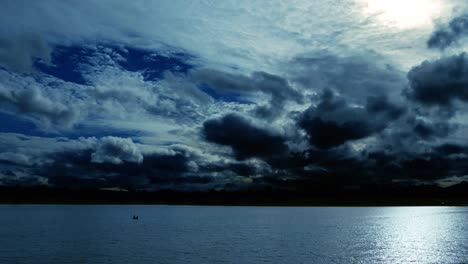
315, 169
171, 167
439, 82
327, 134
102, 163
245, 138
382, 105
450, 148
179, 166
20, 178
428, 130
319, 169
275, 86
445, 36
439, 162
264, 82
122, 164
333, 121
354, 76
242, 169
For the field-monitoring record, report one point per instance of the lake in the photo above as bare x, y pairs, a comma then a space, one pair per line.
216, 234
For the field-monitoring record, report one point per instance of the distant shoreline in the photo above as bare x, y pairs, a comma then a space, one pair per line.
308, 203
248, 205
427, 195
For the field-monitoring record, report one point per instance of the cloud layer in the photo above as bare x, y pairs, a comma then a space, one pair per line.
228, 96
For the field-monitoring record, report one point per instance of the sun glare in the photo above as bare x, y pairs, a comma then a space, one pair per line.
403, 13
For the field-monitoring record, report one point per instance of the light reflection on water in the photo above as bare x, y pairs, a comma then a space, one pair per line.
424, 235
198, 234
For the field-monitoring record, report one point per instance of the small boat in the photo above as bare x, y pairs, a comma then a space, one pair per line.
135, 217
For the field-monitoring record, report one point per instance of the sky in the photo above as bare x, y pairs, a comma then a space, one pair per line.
233, 95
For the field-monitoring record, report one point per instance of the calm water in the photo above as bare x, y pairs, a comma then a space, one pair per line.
198, 234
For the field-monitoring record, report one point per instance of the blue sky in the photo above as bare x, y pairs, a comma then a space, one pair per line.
232, 94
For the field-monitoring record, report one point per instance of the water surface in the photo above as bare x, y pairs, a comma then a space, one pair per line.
215, 234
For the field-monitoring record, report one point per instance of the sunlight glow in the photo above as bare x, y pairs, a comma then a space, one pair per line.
403, 13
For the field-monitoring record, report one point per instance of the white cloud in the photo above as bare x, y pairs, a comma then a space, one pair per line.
31, 101
116, 150
249, 35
